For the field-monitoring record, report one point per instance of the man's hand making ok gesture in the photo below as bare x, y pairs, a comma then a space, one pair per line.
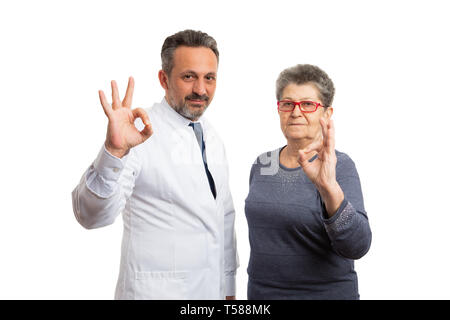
122, 135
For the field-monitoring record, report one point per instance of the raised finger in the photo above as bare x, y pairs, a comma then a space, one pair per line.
323, 126
105, 105
331, 136
115, 95
129, 94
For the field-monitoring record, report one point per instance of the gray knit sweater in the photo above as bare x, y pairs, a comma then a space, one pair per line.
297, 252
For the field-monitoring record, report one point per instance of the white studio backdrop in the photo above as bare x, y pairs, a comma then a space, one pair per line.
389, 61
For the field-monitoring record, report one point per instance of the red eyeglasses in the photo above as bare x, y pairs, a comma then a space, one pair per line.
305, 106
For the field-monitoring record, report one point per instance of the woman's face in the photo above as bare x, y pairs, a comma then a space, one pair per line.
296, 124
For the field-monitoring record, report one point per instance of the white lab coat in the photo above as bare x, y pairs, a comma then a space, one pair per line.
178, 241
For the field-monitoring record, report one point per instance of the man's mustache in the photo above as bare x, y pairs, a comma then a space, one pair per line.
195, 96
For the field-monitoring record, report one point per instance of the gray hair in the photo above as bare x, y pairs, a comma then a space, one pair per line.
189, 38
304, 74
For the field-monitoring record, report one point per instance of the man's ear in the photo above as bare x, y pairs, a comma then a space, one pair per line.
163, 79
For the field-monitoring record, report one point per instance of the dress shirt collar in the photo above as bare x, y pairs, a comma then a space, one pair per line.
175, 117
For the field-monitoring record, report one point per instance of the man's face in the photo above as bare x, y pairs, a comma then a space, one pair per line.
192, 82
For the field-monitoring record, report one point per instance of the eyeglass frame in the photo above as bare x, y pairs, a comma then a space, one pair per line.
317, 104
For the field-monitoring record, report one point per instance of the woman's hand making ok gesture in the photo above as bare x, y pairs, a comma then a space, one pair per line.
322, 171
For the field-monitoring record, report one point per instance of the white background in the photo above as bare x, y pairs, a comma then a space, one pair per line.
389, 61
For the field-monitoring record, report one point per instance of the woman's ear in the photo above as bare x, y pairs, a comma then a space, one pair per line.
328, 113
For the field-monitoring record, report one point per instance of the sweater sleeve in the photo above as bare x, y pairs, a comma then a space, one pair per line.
348, 229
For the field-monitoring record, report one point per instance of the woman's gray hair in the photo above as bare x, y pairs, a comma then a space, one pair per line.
307, 73
188, 38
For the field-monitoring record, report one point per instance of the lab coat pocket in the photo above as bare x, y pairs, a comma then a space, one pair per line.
161, 285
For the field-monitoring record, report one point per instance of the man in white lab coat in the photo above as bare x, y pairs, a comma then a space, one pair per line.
165, 170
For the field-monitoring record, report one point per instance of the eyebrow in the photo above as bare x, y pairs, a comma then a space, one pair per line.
193, 72
188, 71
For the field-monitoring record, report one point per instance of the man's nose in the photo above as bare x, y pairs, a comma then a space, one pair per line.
199, 87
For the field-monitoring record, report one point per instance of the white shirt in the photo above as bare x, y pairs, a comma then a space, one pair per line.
178, 241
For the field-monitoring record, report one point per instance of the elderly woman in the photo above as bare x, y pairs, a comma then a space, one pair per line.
305, 209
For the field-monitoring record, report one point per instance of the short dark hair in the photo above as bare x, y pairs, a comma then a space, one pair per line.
307, 73
189, 38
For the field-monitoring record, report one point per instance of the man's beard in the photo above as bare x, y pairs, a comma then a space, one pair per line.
183, 109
